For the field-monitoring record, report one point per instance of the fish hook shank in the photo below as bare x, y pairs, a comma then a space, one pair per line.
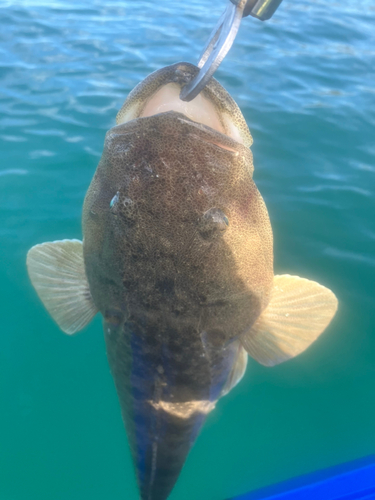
217, 47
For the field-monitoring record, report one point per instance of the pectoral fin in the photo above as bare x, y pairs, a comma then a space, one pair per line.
57, 273
298, 312
238, 371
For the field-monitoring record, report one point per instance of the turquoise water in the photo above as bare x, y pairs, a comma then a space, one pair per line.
305, 83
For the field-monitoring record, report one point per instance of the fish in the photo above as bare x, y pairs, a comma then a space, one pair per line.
177, 256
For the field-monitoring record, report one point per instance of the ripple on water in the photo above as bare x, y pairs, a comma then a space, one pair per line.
358, 257
305, 83
334, 188
13, 138
43, 153
13, 171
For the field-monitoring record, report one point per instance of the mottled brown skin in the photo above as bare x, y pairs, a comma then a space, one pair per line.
180, 266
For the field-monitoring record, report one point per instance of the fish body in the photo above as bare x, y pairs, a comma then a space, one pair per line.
177, 256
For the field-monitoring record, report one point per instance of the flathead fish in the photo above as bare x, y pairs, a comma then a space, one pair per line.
177, 256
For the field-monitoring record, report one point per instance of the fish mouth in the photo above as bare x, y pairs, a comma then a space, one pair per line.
213, 107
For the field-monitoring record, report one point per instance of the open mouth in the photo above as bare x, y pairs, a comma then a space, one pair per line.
213, 107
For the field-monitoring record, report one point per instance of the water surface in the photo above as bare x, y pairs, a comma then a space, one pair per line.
305, 83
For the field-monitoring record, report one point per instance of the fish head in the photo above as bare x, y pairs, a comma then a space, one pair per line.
172, 213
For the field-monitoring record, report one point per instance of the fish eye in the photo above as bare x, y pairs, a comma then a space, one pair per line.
213, 223
114, 200
123, 209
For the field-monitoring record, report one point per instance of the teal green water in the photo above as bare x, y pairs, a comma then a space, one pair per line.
305, 83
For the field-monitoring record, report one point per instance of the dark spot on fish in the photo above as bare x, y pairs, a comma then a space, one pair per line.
165, 286
202, 299
214, 337
217, 303
108, 282
128, 284
114, 317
